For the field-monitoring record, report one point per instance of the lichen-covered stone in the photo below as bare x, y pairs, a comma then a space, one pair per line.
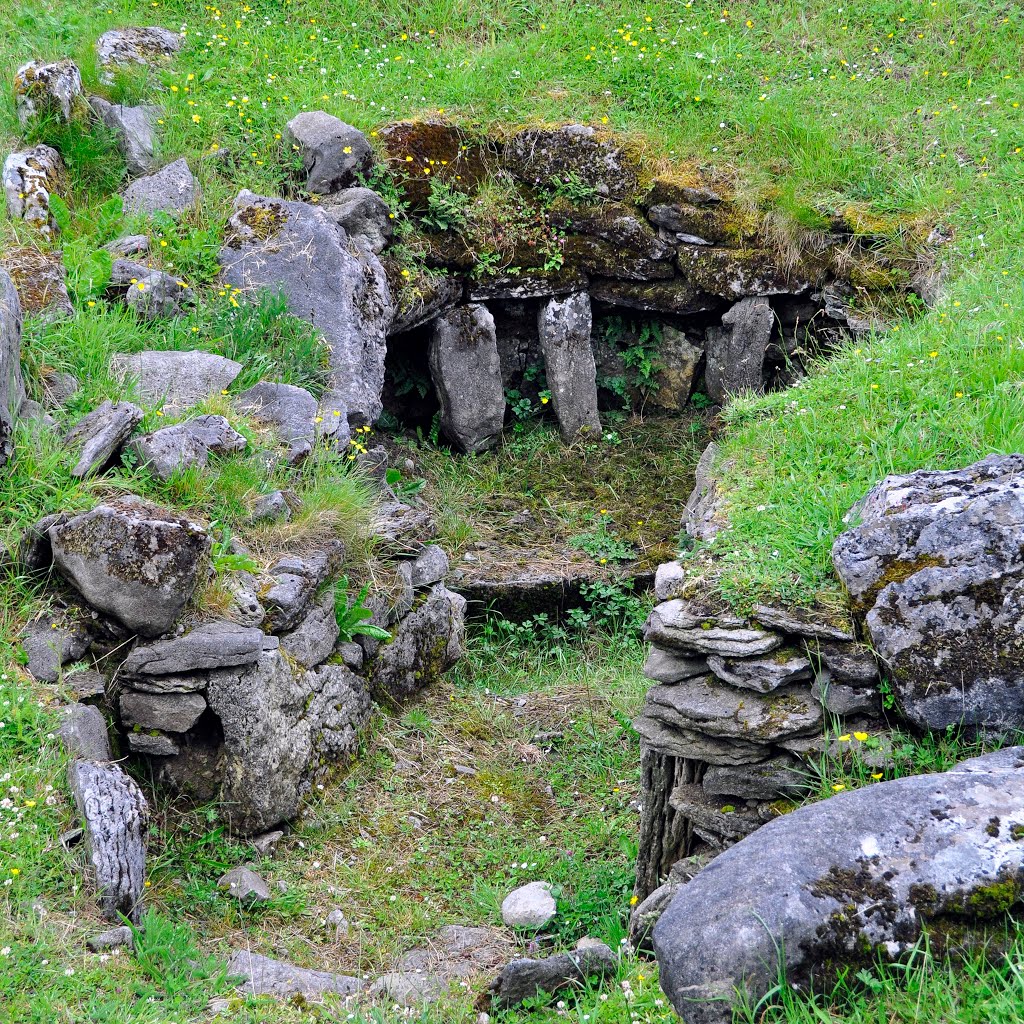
153, 294
676, 296
844, 881
132, 560
48, 90
738, 273
41, 280
30, 177
12, 385
763, 674
691, 628
176, 380
564, 328
100, 435
150, 46
217, 644
736, 350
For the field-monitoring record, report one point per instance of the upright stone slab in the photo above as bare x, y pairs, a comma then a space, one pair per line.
466, 371
564, 326
296, 249
48, 90
135, 130
735, 352
12, 387
333, 154
30, 177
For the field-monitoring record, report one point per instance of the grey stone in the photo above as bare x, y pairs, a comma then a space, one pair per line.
842, 881
262, 976
101, 434
666, 666
48, 90
217, 644
715, 710
714, 821
168, 712
644, 916
669, 579
662, 733
426, 643
433, 295
529, 906
297, 579
735, 352
129, 245
172, 189
735, 274
564, 327
288, 410
363, 215
780, 668
779, 777
407, 988
83, 733
132, 560
149, 45
401, 528
152, 294
30, 177
313, 639
540, 156
176, 380
526, 978
429, 567
113, 938
801, 622
186, 445
694, 630
135, 130
703, 516
276, 507
12, 385
341, 289
59, 388
466, 371
842, 699
279, 725
852, 664
52, 641
334, 154
352, 656
244, 885
86, 685
337, 924
266, 843
679, 362
936, 569
152, 744
244, 601
33, 414
333, 430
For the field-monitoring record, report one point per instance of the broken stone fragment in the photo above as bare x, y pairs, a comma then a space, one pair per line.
313, 639
51, 641
12, 385
186, 445
176, 380
366, 218
218, 644
113, 938
132, 560
334, 154
289, 411
736, 350
667, 666
101, 434
764, 674
779, 777
172, 189
135, 131
244, 885
167, 712
275, 507
527, 978
152, 293
48, 90
262, 976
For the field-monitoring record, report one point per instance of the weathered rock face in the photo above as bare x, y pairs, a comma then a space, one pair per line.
150, 46
30, 177
173, 189
564, 327
736, 351
186, 445
40, 279
526, 978
363, 215
333, 154
48, 90
132, 560
298, 250
466, 371
12, 386
680, 361
262, 976
176, 380
936, 569
135, 130
846, 880
101, 434
288, 410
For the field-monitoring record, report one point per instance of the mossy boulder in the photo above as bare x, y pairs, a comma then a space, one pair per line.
839, 883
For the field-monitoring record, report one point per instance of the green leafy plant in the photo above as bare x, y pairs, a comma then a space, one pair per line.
190, 252
447, 207
223, 558
402, 487
602, 542
352, 615
573, 189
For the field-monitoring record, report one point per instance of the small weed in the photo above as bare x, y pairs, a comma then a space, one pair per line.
447, 207
602, 541
353, 615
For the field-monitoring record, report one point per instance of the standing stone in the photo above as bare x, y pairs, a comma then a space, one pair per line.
12, 386
132, 560
564, 326
101, 434
48, 90
296, 249
736, 350
135, 130
30, 177
466, 371
83, 733
334, 154
679, 361
172, 189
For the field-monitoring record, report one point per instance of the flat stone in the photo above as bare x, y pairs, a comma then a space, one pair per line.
262, 976
132, 560
168, 712
801, 622
764, 674
152, 744
770, 780
852, 664
856, 876
244, 885
187, 445
149, 46
113, 938
51, 642
172, 189
408, 989
129, 245
681, 625
718, 822
661, 731
841, 699
529, 906
432, 295
83, 733
101, 434
176, 380
86, 685
667, 666
217, 644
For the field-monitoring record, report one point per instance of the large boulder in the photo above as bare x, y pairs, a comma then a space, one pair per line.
338, 286
176, 380
736, 350
564, 326
48, 90
149, 46
289, 411
12, 386
936, 569
132, 560
30, 177
135, 131
172, 189
842, 882
334, 155
466, 371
